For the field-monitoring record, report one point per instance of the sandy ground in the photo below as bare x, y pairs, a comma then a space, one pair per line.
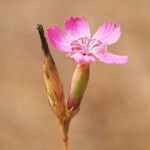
115, 112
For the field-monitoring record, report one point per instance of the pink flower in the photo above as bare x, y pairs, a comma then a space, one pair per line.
84, 48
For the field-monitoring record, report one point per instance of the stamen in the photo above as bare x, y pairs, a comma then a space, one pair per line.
80, 44
86, 44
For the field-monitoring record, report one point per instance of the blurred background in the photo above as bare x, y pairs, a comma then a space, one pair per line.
115, 112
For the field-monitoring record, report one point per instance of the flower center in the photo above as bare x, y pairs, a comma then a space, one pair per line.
80, 44
85, 44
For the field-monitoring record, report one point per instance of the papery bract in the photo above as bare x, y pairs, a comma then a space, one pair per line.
84, 48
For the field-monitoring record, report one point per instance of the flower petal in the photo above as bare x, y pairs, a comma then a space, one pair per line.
77, 27
79, 58
108, 33
110, 58
59, 39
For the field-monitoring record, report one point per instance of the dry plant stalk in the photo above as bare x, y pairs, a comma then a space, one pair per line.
54, 87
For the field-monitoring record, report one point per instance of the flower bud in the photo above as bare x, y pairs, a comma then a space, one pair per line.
53, 83
54, 87
78, 86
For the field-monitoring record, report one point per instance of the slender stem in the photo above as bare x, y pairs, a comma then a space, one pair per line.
65, 144
65, 126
